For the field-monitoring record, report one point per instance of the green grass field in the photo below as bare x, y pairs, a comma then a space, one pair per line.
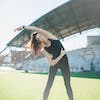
29, 86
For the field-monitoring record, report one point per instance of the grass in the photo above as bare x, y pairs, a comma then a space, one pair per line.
28, 86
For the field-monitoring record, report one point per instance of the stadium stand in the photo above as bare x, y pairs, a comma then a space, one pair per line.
68, 19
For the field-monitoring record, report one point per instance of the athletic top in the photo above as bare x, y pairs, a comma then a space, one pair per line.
55, 48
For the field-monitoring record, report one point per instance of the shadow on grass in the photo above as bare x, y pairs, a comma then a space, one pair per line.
95, 75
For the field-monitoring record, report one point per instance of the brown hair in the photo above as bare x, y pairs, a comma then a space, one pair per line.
35, 44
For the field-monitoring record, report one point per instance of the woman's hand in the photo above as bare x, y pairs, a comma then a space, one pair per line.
18, 28
63, 52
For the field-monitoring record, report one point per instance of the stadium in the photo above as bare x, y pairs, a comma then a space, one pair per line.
70, 18
23, 75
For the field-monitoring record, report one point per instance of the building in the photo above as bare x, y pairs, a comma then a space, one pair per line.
17, 57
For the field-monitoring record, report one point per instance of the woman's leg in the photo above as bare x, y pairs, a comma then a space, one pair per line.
52, 73
66, 75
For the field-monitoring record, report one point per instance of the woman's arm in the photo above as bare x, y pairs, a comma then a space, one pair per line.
54, 61
39, 30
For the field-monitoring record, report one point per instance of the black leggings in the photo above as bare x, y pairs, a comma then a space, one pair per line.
64, 67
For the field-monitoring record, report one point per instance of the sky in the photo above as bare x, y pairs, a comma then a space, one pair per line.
14, 13
78, 40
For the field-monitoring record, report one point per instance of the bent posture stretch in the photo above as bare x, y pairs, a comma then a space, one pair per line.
45, 42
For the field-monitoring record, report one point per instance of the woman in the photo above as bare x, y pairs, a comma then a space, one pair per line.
45, 42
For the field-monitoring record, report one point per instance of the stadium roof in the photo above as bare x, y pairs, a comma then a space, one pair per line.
70, 18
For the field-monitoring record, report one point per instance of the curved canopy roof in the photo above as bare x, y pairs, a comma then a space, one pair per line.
68, 19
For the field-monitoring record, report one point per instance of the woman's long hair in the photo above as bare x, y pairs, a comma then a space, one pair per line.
35, 44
